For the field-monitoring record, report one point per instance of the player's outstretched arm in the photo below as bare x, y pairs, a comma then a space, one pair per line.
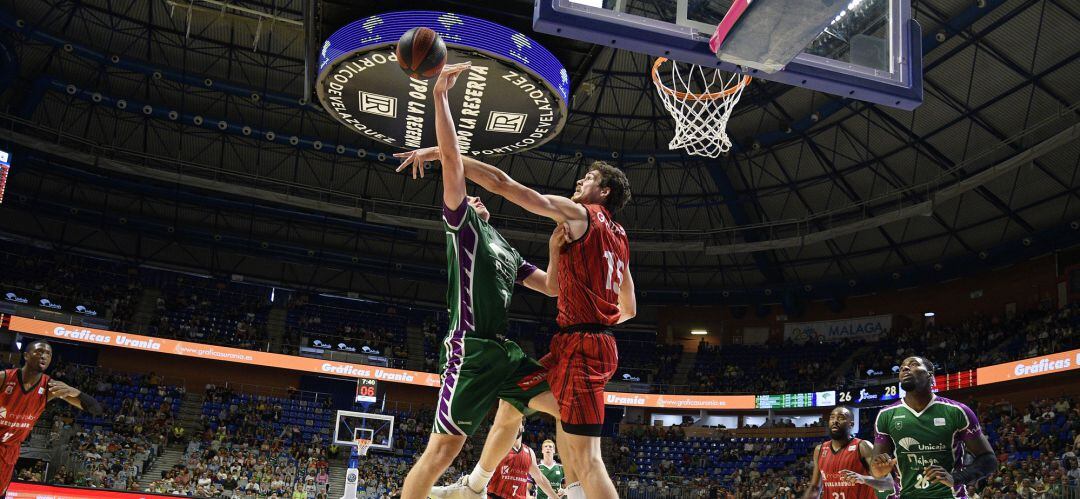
538, 281
814, 487
541, 480
450, 154
73, 396
881, 484
494, 180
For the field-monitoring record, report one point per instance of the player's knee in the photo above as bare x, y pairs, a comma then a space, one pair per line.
590, 463
442, 452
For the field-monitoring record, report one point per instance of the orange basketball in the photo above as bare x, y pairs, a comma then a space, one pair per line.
421, 53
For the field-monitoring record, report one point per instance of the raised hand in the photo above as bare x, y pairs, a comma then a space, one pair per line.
449, 76
416, 158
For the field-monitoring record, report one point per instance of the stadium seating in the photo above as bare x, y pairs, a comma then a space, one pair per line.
235, 314
282, 444
980, 341
303, 420
115, 449
774, 368
210, 311
255, 445
106, 289
365, 327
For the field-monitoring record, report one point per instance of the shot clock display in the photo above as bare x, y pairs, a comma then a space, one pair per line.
367, 391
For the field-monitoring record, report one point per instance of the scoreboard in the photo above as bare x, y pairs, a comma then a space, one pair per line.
871, 396
5, 166
367, 391
796, 400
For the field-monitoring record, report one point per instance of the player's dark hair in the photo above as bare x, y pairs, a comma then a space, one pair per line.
617, 184
30, 344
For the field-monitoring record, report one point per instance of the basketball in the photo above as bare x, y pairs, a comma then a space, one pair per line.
421, 53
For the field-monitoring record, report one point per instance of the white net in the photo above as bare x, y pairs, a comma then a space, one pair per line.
700, 101
362, 446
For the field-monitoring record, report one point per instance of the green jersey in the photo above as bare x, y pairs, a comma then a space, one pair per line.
934, 436
554, 475
481, 269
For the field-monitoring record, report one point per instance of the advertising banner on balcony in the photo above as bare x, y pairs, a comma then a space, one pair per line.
1029, 368
863, 328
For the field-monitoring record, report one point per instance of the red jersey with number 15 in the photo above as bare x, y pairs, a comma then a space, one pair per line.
832, 463
20, 409
591, 271
511, 478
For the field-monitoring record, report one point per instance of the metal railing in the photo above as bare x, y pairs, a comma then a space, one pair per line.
655, 488
273, 391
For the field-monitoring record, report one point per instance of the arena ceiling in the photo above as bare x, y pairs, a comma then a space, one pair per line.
819, 189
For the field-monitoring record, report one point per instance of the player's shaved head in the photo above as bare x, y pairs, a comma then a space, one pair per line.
841, 422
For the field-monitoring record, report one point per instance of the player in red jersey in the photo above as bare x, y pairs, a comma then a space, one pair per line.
839, 460
25, 392
596, 291
511, 479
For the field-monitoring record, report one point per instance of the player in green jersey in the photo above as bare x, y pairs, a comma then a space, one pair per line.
929, 436
551, 469
478, 365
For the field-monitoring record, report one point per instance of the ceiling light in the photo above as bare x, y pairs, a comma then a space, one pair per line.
699, 332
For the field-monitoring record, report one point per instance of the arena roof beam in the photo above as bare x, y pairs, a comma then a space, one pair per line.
946, 164
1029, 79
764, 261
829, 165
897, 182
178, 35
971, 182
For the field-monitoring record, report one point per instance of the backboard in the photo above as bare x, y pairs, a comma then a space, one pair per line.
868, 50
379, 428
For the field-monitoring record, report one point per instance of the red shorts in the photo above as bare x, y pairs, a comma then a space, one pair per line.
7, 469
580, 365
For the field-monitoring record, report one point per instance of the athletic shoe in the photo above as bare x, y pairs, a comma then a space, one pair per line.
458, 490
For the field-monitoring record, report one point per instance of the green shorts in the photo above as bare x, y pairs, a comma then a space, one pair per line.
476, 373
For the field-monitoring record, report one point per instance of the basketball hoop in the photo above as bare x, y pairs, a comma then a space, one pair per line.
700, 101
362, 446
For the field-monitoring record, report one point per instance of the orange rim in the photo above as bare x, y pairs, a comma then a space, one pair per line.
692, 96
